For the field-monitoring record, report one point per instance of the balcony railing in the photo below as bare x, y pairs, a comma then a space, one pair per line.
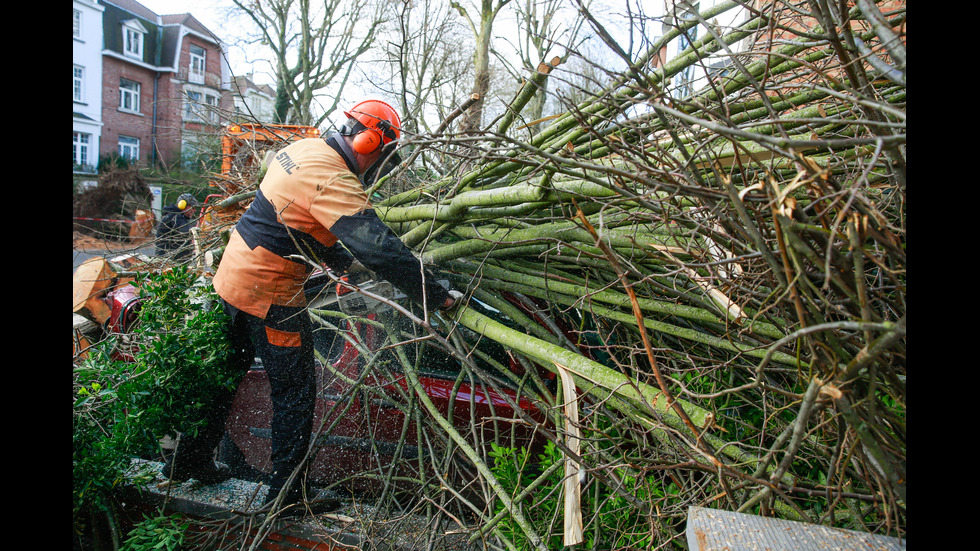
206, 79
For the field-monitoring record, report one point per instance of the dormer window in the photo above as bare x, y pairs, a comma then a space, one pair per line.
198, 58
133, 33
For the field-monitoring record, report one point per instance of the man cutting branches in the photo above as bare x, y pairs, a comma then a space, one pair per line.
311, 204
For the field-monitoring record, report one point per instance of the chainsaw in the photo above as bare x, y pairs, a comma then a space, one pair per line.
354, 294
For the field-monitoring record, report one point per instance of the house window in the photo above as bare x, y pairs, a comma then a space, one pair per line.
133, 41
129, 95
77, 80
79, 151
212, 107
198, 57
200, 106
76, 24
684, 81
193, 110
129, 148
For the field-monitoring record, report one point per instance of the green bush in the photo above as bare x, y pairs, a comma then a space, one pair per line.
610, 520
159, 533
132, 390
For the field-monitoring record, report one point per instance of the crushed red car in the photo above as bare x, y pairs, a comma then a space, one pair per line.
363, 395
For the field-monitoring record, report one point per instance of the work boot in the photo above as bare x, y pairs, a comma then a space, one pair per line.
194, 456
206, 472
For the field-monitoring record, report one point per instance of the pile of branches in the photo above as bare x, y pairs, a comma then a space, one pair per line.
704, 293
101, 210
728, 268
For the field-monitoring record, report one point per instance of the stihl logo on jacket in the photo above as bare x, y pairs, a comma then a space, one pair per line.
287, 164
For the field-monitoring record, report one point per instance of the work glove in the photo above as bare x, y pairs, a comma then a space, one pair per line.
456, 297
356, 268
357, 273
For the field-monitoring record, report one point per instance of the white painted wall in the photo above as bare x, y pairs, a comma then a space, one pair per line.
255, 104
87, 54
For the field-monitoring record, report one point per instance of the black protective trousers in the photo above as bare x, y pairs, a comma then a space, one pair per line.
284, 343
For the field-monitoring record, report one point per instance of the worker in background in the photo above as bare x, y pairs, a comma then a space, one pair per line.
311, 203
174, 230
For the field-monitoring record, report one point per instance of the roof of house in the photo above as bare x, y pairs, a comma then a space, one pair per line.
245, 83
133, 7
164, 32
188, 21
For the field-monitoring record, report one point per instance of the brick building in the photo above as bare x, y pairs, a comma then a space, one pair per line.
164, 83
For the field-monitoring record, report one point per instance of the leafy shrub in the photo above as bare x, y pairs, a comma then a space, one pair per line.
122, 407
159, 533
611, 521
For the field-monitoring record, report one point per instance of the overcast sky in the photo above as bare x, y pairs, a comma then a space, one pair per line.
206, 11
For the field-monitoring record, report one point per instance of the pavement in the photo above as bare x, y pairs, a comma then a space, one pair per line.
84, 251
231, 506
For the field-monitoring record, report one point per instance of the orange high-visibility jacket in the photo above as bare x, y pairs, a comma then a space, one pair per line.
311, 203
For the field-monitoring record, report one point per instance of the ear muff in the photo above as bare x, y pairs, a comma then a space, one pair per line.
182, 204
367, 141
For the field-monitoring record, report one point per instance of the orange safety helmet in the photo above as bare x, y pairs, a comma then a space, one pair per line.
377, 124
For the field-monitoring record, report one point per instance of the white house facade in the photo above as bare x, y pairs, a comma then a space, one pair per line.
86, 84
253, 102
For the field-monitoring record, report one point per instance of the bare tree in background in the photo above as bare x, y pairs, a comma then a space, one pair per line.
425, 66
481, 24
547, 32
313, 47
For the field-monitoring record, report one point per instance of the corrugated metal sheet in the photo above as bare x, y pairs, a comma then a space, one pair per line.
714, 530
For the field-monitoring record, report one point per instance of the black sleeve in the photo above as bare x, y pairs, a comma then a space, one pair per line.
375, 246
336, 257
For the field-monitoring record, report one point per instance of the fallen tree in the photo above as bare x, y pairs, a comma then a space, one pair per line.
715, 279
732, 265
